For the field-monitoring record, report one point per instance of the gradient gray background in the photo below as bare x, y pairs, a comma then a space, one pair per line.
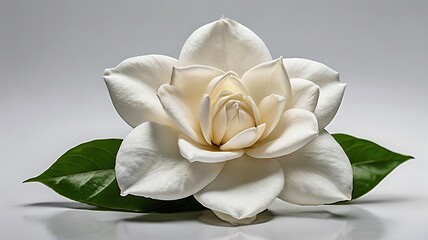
52, 97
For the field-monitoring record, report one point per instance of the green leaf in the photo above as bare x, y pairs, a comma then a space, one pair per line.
370, 162
86, 174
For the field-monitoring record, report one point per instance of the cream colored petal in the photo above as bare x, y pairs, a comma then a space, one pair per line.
245, 138
266, 79
149, 164
226, 82
296, 128
271, 109
193, 82
254, 109
219, 124
172, 100
205, 118
224, 97
226, 45
245, 187
318, 173
238, 119
331, 89
195, 152
133, 85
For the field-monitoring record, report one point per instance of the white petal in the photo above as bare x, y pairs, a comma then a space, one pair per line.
245, 187
295, 129
195, 152
305, 94
193, 82
266, 79
226, 45
149, 164
172, 100
245, 138
318, 173
331, 90
205, 118
328, 103
234, 221
271, 109
133, 85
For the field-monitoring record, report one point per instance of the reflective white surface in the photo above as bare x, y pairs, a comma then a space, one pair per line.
52, 97
387, 218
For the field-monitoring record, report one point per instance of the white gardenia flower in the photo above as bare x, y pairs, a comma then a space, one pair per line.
229, 125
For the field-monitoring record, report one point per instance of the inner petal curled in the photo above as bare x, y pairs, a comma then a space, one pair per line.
233, 112
238, 119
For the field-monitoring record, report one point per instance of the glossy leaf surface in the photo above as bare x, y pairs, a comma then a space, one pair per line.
86, 174
370, 162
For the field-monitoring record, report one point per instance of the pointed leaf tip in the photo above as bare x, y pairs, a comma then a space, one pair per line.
86, 174
371, 163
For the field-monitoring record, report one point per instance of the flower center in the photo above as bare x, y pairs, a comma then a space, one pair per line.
232, 114
237, 116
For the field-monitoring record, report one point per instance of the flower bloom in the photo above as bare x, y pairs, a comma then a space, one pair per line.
229, 125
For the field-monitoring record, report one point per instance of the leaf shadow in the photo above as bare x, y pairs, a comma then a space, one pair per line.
73, 205
383, 200
66, 205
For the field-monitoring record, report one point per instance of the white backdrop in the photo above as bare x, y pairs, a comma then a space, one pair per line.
52, 97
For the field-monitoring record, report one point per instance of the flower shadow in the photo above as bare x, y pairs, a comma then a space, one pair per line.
165, 217
206, 217
324, 222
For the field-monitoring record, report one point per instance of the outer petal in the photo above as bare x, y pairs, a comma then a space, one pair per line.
331, 90
226, 45
266, 79
305, 94
245, 187
234, 221
295, 129
195, 152
318, 173
172, 99
133, 86
149, 164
